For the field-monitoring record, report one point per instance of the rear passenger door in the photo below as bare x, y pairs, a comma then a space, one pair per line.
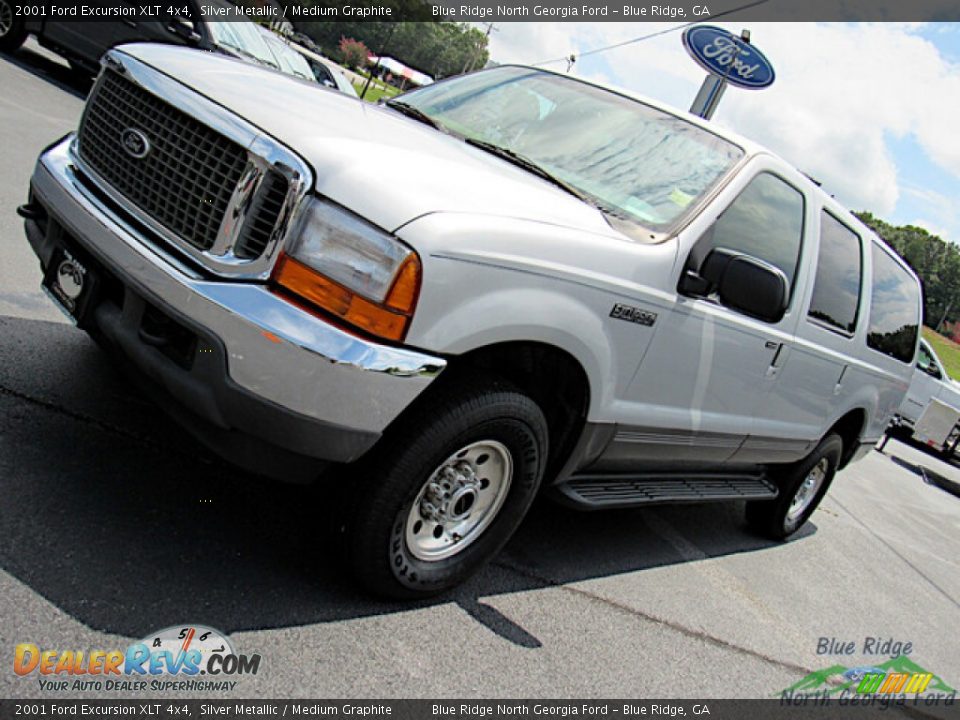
814, 387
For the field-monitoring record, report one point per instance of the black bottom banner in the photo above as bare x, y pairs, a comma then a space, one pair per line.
787, 708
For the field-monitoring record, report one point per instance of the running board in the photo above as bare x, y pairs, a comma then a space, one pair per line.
594, 492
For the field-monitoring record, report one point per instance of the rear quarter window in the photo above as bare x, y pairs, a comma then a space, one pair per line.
894, 308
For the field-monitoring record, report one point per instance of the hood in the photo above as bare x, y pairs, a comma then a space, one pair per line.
385, 167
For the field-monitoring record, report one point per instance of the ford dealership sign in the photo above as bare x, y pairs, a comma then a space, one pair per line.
724, 54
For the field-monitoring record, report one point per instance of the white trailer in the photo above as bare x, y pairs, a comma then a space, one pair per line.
937, 427
930, 413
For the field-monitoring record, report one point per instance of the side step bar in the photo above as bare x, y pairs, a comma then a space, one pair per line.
595, 492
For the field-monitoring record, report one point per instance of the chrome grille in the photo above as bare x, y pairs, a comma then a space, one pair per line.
259, 227
186, 180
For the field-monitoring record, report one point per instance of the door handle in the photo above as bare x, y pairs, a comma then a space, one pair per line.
839, 386
775, 362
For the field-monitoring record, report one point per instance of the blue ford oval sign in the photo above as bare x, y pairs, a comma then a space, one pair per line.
722, 53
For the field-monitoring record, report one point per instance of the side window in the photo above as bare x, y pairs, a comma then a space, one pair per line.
894, 308
765, 221
836, 289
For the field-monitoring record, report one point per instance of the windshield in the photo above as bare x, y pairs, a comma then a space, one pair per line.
343, 84
636, 162
241, 34
289, 60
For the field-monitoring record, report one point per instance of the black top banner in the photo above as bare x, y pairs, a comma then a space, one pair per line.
481, 10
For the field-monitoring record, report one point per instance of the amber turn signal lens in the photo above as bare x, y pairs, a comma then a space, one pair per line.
403, 294
388, 321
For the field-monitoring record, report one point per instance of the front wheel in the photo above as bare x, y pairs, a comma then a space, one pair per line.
445, 491
12, 31
802, 487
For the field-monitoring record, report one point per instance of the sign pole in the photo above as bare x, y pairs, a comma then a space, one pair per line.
709, 96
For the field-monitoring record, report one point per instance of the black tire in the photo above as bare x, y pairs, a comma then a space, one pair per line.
12, 31
391, 480
771, 518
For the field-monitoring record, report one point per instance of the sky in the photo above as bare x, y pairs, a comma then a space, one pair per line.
872, 110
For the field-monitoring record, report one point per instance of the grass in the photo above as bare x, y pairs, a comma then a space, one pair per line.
946, 349
376, 90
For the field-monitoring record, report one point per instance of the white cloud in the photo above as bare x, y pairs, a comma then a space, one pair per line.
932, 228
941, 214
841, 92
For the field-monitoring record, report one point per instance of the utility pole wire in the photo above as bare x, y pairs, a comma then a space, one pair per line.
372, 71
595, 51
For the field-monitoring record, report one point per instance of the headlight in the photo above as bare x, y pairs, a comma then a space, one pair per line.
352, 269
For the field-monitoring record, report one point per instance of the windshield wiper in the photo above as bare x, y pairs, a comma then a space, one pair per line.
529, 165
413, 112
243, 51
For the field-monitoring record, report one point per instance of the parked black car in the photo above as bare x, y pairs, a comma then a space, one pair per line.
83, 43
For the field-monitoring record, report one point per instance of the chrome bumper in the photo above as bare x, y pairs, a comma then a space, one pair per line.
274, 350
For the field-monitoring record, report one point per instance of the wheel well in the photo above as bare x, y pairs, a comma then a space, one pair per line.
552, 377
849, 428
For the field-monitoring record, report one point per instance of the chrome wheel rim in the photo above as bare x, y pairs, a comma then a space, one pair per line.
459, 501
6, 17
807, 491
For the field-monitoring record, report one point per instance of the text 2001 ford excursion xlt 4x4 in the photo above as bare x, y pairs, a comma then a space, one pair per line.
506, 280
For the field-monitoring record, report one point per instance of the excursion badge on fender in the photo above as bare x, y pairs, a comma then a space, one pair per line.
633, 314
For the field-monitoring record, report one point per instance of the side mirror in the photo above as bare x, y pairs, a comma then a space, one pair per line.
741, 282
184, 29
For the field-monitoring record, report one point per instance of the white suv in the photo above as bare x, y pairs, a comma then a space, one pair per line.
506, 282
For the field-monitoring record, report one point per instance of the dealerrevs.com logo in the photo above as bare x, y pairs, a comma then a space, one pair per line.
172, 659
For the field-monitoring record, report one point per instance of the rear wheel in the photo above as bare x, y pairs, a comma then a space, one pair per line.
802, 487
12, 31
443, 494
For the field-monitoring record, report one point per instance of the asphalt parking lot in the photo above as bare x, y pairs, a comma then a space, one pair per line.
114, 523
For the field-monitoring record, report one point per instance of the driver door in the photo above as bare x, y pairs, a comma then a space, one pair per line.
700, 389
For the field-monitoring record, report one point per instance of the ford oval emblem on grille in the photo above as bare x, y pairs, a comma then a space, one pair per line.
135, 143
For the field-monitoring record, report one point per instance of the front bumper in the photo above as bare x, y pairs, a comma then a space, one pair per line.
262, 367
